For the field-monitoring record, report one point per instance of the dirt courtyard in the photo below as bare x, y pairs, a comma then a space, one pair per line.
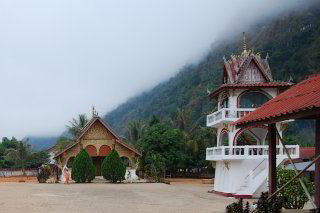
180, 197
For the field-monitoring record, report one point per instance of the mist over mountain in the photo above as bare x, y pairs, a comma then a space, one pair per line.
292, 41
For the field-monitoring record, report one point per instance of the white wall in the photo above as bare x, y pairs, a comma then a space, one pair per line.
17, 172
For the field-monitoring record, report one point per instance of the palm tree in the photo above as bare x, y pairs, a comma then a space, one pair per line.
136, 130
20, 155
76, 125
182, 119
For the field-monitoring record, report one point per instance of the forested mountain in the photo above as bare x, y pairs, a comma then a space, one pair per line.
40, 143
292, 42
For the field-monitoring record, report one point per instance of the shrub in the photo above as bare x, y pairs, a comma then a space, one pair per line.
293, 196
238, 207
155, 167
83, 169
272, 205
44, 173
112, 168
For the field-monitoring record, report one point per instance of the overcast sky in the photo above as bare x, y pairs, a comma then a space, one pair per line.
58, 58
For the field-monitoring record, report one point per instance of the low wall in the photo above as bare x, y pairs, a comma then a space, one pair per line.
17, 172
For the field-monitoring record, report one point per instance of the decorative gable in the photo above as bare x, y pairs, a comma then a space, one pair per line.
251, 74
97, 131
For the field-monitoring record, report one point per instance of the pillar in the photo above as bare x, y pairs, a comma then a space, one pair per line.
272, 158
317, 165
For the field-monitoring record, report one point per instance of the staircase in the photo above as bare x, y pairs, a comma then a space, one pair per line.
255, 179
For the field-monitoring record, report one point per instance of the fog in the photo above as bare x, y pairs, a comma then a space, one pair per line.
58, 58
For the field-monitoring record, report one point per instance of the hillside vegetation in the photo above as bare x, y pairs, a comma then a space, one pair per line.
292, 42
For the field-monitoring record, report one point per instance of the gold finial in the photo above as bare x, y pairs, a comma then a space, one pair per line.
244, 42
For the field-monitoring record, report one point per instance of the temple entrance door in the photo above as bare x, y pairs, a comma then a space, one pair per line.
97, 161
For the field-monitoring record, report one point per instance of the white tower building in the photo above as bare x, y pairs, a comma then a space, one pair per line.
241, 165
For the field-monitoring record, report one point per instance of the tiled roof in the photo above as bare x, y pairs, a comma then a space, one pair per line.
249, 85
301, 97
307, 152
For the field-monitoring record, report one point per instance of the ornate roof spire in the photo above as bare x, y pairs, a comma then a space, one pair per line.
94, 112
244, 42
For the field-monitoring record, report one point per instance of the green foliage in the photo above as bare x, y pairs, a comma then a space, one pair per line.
76, 125
155, 167
272, 205
10, 144
238, 207
136, 130
113, 168
196, 143
83, 169
20, 155
293, 196
36, 159
62, 143
160, 138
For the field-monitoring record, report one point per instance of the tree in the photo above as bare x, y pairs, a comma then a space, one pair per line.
156, 167
36, 159
83, 169
62, 143
160, 138
136, 130
13, 143
292, 197
19, 156
76, 125
113, 168
182, 119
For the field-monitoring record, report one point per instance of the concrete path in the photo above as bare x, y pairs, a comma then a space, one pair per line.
106, 197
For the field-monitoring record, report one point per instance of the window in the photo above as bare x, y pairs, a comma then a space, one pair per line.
252, 99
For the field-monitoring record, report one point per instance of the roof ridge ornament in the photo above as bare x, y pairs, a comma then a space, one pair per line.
244, 42
94, 112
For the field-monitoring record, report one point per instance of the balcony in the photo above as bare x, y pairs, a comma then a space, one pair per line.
226, 115
248, 152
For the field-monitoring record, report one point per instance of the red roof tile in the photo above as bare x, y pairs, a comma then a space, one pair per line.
300, 97
307, 152
249, 85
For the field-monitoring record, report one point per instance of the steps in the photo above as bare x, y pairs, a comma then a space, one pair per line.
254, 180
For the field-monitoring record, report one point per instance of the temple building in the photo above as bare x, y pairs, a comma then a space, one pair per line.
241, 165
98, 139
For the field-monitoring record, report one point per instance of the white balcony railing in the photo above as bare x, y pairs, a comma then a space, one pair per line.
227, 115
248, 152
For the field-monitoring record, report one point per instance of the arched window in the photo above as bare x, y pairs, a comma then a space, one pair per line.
252, 99
92, 151
104, 150
246, 139
70, 162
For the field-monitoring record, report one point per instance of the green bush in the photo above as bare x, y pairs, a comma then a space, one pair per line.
83, 169
155, 167
112, 168
293, 197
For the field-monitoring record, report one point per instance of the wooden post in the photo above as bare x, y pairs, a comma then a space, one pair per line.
317, 165
272, 158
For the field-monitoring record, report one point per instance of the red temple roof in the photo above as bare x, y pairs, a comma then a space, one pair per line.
302, 97
250, 86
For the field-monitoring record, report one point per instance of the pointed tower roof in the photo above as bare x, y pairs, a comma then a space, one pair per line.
247, 69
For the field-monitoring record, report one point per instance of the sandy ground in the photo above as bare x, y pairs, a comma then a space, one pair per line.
182, 196
19, 179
